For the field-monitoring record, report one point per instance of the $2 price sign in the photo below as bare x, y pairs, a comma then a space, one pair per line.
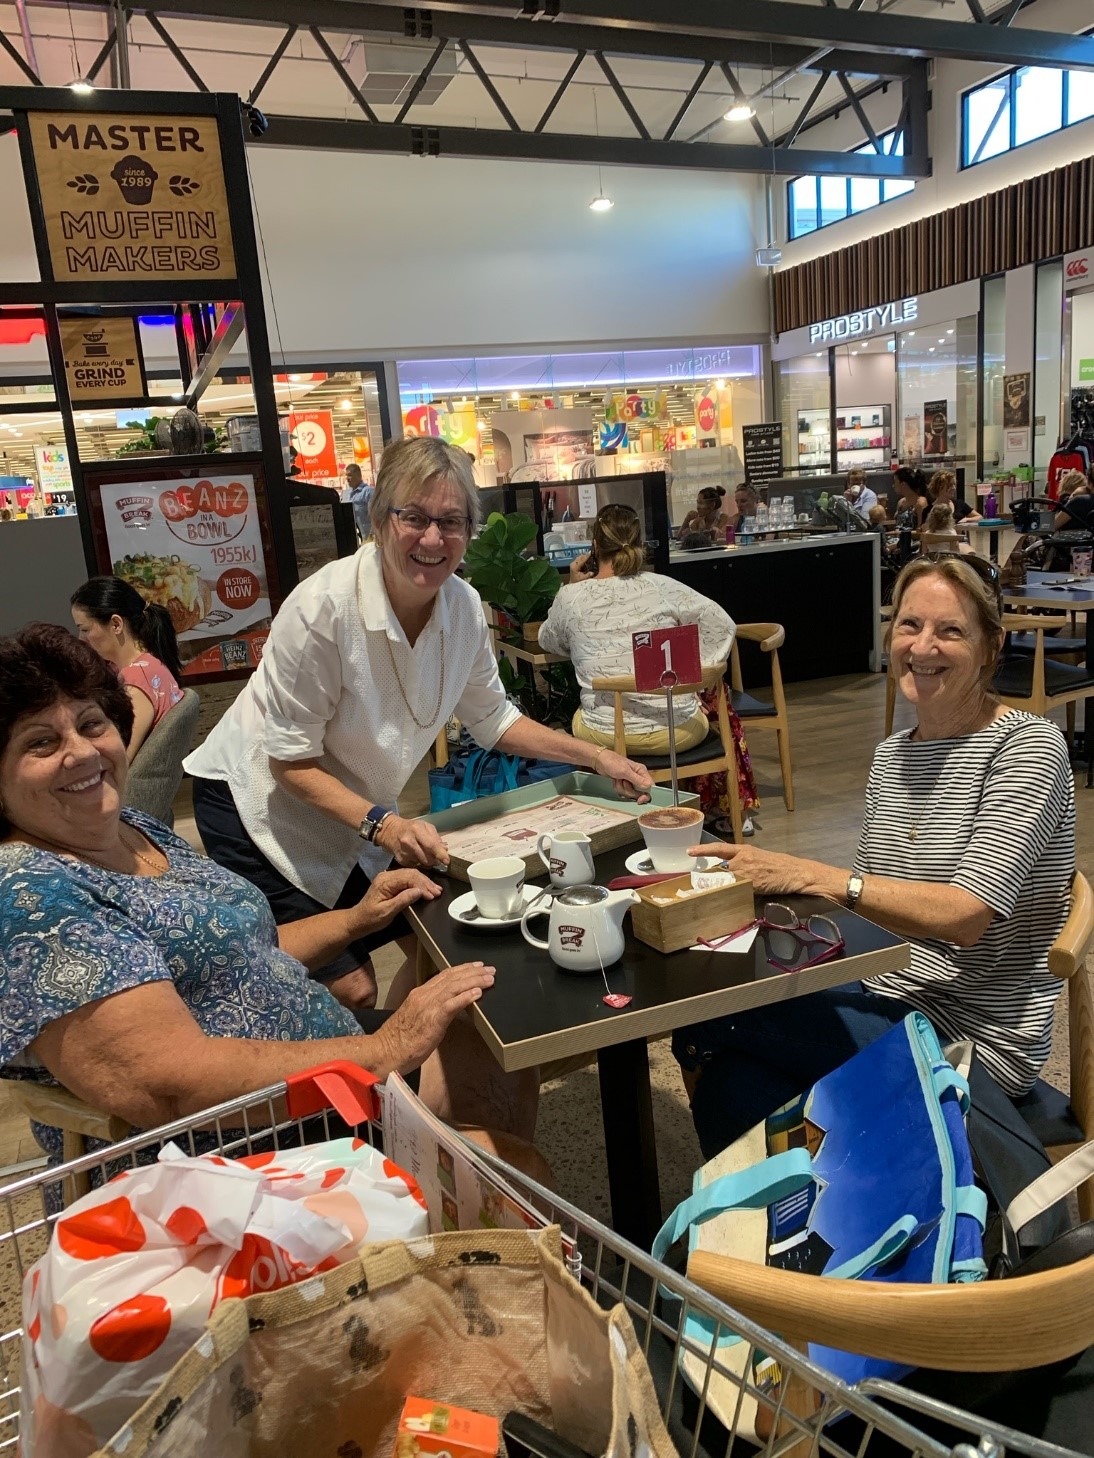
665, 657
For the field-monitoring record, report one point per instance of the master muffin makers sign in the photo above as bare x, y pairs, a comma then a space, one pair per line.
132, 197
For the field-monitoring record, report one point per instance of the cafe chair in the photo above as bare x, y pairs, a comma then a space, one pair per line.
716, 752
757, 713
1037, 683
1062, 1122
156, 771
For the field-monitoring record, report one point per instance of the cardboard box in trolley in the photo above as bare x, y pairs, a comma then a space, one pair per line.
439, 1428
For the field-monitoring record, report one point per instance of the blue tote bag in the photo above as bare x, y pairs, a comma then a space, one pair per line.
867, 1176
473, 772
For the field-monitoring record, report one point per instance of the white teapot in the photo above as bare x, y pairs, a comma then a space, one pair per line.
586, 927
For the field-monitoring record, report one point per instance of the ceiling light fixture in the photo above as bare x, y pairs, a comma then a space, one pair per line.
601, 203
345, 404
931, 349
81, 87
742, 112
515, 395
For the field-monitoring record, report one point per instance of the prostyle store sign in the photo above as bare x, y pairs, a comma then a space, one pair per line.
132, 197
865, 321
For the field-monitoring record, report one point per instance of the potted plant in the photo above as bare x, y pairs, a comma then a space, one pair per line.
519, 586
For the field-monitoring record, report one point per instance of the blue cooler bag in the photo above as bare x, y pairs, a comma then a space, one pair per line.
867, 1176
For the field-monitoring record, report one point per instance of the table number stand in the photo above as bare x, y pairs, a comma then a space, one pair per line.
667, 659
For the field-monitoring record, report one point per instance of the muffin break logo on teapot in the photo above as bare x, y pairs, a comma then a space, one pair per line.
133, 197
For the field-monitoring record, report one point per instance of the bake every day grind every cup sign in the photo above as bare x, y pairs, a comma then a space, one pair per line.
194, 547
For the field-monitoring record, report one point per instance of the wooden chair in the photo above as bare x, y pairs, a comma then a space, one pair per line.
1036, 682
963, 1328
76, 1120
1026, 677
757, 713
1062, 1122
716, 752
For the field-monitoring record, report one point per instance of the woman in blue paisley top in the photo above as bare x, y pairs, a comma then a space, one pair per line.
152, 982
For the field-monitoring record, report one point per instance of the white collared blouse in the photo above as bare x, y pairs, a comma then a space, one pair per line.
331, 687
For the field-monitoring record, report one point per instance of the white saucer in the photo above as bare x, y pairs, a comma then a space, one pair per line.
639, 864
466, 902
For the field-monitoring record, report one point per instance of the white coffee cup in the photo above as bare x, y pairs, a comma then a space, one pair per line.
497, 883
568, 856
668, 830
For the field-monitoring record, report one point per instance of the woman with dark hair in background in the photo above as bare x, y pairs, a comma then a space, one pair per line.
138, 638
912, 503
708, 515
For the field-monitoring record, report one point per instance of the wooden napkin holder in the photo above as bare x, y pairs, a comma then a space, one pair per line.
684, 921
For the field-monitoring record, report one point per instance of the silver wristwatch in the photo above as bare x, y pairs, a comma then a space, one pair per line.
854, 890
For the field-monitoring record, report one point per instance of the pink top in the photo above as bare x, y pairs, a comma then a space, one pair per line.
156, 681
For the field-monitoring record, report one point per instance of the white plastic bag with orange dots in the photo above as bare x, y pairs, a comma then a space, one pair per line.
134, 1269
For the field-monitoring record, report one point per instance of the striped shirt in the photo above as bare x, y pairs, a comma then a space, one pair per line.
994, 813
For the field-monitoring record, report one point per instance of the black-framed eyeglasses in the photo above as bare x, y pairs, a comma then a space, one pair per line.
987, 571
412, 519
786, 936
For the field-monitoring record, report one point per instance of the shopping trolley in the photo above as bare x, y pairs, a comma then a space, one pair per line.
835, 1420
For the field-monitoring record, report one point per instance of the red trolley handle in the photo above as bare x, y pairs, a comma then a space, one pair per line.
342, 1086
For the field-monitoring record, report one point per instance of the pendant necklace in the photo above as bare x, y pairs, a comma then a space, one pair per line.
402, 689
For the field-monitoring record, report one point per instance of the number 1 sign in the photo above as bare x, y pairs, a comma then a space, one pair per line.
666, 657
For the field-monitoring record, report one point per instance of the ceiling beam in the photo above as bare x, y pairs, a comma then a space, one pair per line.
427, 141
771, 21
506, 30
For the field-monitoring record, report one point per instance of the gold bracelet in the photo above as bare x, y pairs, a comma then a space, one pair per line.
596, 758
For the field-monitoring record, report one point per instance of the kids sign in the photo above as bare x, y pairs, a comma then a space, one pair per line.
132, 197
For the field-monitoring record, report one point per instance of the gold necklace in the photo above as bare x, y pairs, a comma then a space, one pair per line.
402, 690
88, 855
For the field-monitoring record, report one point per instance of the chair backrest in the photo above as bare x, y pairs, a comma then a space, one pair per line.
623, 683
156, 772
770, 637
1068, 952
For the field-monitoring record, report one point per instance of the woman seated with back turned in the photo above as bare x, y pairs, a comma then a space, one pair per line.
592, 620
138, 638
967, 850
151, 982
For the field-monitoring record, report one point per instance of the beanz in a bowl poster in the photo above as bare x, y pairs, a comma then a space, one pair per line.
194, 546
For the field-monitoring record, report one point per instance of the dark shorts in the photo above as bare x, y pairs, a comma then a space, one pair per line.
227, 842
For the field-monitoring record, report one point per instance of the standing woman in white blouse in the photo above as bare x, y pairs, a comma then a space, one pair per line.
296, 787
593, 619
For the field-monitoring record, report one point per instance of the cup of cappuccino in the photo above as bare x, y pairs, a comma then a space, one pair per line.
668, 831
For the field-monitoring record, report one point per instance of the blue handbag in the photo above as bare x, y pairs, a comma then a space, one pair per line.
472, 773
868, 1176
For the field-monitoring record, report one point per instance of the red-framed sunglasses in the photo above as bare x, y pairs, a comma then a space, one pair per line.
786, 935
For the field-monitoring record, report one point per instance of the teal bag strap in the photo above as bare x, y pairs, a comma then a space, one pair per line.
945, 1078
894, 1240
750, 1189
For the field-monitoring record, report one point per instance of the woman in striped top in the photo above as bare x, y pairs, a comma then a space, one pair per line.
967, 850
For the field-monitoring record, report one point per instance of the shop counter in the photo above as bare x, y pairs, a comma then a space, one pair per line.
824, 590
41, 566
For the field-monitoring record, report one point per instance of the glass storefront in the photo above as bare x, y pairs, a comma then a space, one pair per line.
994, 316
554, 417
329, 419
803, 400
1049, 427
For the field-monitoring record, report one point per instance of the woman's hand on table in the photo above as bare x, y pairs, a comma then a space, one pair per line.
630, 778
390, 893
412, 842
770, 872
418, 1025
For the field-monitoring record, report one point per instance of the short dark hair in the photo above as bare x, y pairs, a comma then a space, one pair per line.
43, 663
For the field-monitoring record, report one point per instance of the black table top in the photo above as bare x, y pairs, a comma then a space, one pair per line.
534, 1012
